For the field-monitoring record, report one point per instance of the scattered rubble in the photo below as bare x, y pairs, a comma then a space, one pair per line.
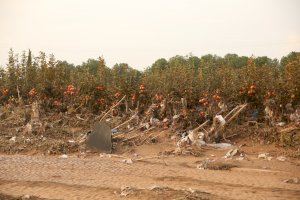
69, 132
281, 158
160, 192
265, 156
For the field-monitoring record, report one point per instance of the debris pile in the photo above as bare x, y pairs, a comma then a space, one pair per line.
162, 192
30, 128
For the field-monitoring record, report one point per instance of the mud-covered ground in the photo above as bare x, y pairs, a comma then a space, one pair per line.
92, 176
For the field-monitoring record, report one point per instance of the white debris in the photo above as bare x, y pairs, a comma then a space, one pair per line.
83, 138
269, 112
42, 138
127, 161
104, 155
183, 141
154, 121
295, 117
64, 156
231, 153
71, 141
165, 120
280, 124
173, 137
191, 190
13, 139
220, 145
265, 156
192, 136
281, 158
175, 116
220, 119
201, 136
201, 143
147, 125
28, 128
197, 139
222, 106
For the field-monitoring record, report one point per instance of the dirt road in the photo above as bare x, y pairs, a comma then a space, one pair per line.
95, 177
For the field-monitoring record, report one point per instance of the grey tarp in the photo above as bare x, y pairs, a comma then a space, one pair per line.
100, 138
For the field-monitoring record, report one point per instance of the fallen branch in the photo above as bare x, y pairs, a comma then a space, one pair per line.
126, 122
148, 137
201, 126
237, 113
234, 109
146, 158
102, 118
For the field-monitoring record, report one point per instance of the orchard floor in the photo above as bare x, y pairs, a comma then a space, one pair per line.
173, 177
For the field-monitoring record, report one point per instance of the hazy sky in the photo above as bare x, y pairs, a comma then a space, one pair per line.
140, 31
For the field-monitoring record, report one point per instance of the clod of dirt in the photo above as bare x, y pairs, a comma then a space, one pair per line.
211, 165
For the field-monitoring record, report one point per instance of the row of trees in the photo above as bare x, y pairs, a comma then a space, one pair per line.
232, 77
